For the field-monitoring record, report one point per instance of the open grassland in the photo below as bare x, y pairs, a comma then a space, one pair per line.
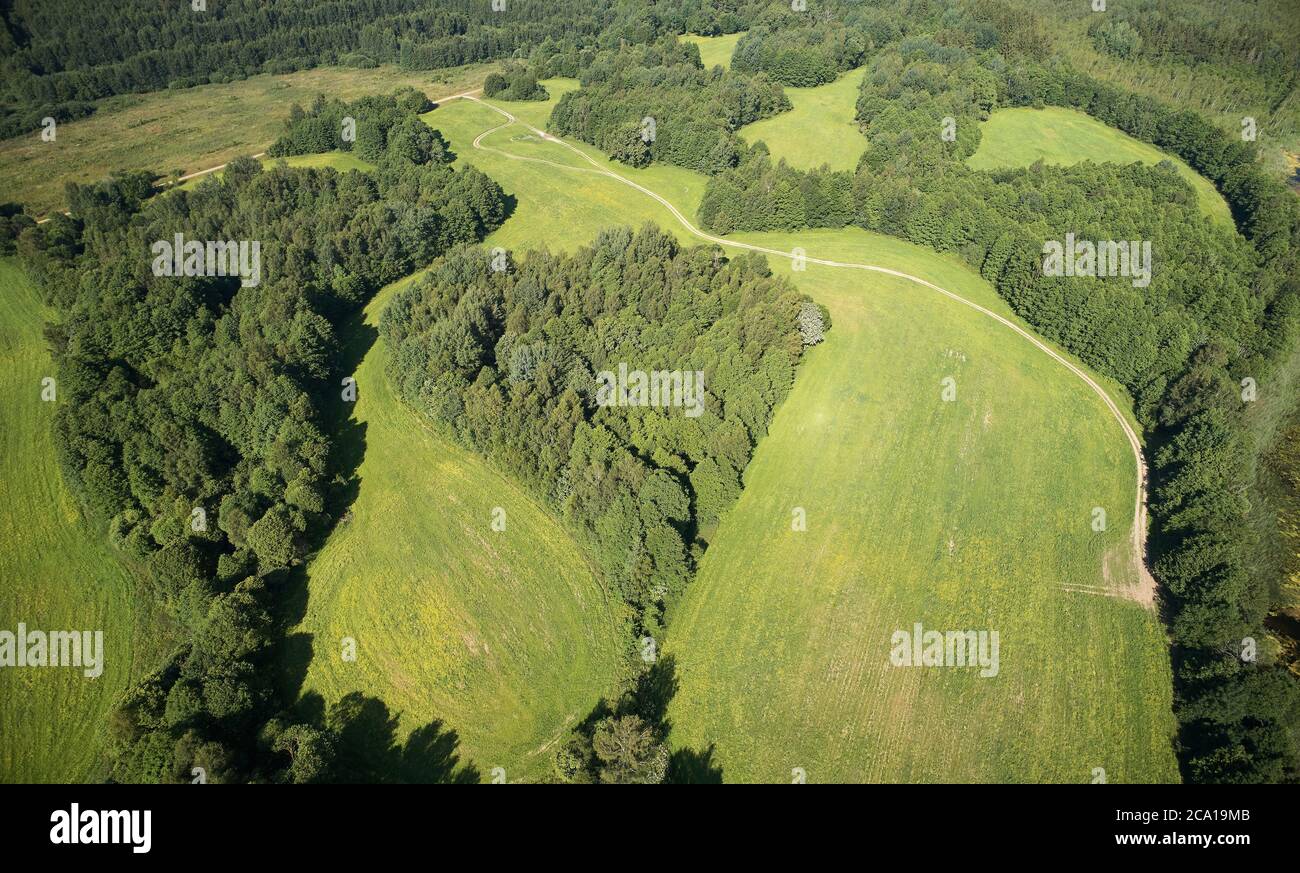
1019, 137
971, 514
559, 202
715, 51
820, 129
190, 129
956, 514
54, 573
507, 638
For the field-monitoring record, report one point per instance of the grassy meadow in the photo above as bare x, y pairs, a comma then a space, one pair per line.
952, 514
191, 129
715, 51
55, 573
820, 129
970, 514
507, 638
559, 203
1055, 135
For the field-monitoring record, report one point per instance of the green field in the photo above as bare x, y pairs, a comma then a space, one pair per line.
1018, 137
952, 514
506, 637
715, 51
191, 129
54, 573
561, 206
820, 129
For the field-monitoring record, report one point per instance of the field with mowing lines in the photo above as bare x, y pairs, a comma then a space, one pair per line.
952, 514
1018, 137
191, 129
955, 515
715, 51
54, 573
508, 637
820, 129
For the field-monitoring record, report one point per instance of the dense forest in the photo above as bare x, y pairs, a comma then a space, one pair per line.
58, 56
202, 434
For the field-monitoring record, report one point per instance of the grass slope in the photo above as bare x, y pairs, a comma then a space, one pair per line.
782, 643
190, 129
957, 515
715, 51
820, 129
1054, 135
506, 637
54, 574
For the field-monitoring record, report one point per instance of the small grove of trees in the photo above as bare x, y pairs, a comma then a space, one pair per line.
655, 103
514, 82
506, 362
372, 127
802, 57
197, 417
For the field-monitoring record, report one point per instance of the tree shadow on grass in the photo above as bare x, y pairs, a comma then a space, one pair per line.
368, 751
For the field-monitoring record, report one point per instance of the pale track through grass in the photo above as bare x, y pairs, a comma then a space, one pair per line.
1145, 590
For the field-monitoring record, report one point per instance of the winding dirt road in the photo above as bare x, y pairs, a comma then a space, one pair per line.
1145, 590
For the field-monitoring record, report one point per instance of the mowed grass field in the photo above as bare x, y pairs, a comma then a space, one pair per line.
972, 514
54, 573
191, 129
967, 515
1055, 135
820, 129
507, 638
715, 51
